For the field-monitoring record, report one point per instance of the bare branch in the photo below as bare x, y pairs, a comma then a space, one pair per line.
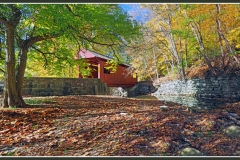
79, 46
92, 41
49, 53
44, 55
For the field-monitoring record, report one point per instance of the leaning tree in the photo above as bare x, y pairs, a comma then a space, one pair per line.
53, 31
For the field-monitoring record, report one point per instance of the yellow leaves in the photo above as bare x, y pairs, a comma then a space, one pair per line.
237, 46
234, 37
176, 19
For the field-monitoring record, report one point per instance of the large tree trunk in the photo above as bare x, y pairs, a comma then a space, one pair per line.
22, 61
11, 92
11, 97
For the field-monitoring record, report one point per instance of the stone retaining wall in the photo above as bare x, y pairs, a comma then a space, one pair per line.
41, 86
213, 87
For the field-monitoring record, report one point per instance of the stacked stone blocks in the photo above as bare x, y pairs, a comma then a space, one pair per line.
213, 87
42, 86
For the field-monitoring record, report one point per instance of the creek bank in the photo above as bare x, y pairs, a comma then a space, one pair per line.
206, 93
213, 87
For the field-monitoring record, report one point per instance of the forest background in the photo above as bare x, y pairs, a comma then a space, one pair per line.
168, 40
178, 41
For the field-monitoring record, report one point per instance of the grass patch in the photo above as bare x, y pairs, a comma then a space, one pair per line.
10, 154
38, 100
12, 108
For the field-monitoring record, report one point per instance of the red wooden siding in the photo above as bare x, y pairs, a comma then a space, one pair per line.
118, 79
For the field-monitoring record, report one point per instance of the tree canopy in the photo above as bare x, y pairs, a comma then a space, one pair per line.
43, 39
189, 35
53, 33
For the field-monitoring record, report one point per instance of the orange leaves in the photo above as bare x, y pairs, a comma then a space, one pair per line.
99, 129
6, 142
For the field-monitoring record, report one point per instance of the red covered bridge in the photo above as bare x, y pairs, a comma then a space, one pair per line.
120, 78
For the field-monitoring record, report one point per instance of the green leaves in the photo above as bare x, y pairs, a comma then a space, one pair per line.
112, 65
69, 28
181, 33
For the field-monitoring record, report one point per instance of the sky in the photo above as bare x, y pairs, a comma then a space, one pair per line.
139, 14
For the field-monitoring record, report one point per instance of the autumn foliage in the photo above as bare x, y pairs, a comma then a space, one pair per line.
179, 36
110, 126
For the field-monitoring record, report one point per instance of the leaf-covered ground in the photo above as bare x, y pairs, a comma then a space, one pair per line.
110, 126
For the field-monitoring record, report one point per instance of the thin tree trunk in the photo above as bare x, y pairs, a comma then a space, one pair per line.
222, 36
166, 63
181, 59
198, 36
175, 54
155, 63
174, 48
5, 96
186, 53
219, 30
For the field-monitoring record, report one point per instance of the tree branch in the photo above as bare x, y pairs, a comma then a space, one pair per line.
44, 53
29, 42
1, 70
76, 41
92, 41
4, 21
45, 58
70, 10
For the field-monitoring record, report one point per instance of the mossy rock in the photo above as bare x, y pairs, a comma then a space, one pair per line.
233, 131
190, 152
